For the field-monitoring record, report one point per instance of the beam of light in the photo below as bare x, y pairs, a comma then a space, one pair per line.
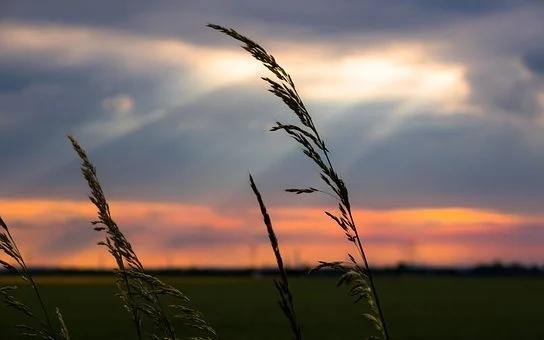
406, 72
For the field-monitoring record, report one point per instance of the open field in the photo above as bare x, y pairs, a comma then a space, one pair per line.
416, 307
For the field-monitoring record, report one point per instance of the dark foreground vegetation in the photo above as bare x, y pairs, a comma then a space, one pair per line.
419, 306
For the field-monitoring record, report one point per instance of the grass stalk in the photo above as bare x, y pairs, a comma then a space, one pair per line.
286, 297
48, 331
140, 293
313, 146
115, 241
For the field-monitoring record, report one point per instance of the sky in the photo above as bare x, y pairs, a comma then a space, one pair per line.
433, 112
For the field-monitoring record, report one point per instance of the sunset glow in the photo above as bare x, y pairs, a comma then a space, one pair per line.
172, 234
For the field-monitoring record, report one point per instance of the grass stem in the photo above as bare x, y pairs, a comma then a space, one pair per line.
286, 297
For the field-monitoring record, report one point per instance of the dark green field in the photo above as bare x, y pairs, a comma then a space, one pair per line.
416, 307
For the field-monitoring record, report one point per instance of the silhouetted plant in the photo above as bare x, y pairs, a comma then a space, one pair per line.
46, 330
282, 285
140, 293
307, 136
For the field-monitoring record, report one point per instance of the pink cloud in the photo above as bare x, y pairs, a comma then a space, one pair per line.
58, 233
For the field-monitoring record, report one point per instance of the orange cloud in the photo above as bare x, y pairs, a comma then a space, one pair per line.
162, 213
57, 233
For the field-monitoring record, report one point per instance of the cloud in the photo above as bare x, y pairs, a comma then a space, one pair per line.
404, 72
72, 46
58, 232
120, 104
496, 52
407, 73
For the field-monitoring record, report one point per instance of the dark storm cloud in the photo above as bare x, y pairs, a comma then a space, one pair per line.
36, 118
432, 161
454, 162
12, 81
174, 17
66, 11
212, 139
202, 153
534, 60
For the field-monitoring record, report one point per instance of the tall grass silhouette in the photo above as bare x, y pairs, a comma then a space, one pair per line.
141, 294
282, 285
46, 329
358, 277
151, 301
